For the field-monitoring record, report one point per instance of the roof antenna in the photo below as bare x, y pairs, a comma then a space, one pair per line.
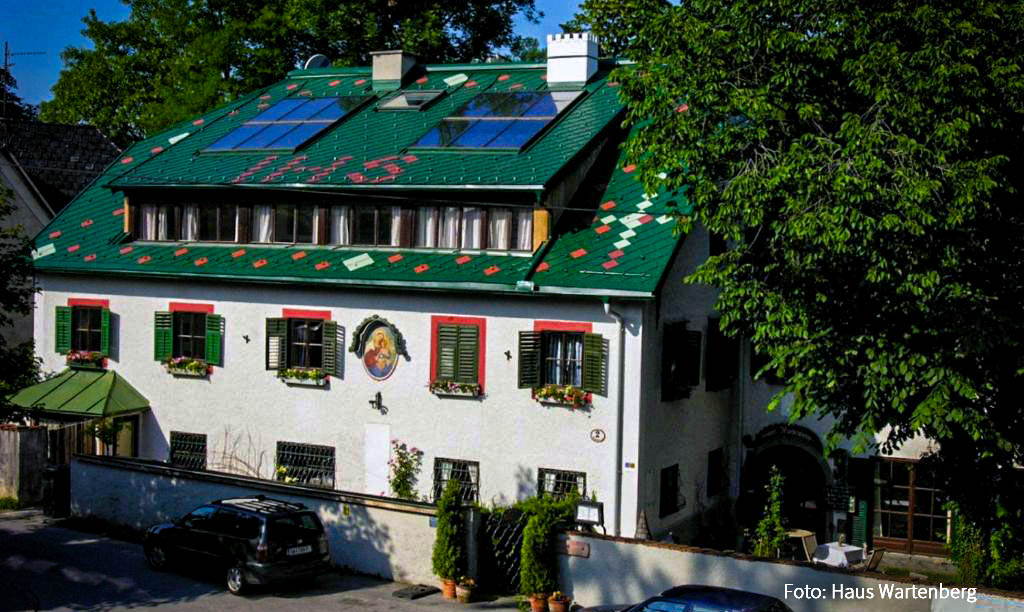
317, 61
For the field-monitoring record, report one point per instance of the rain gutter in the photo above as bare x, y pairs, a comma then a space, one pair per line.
329, 187
619, 418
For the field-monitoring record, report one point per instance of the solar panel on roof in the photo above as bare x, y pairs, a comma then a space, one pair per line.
502, 120
289, 124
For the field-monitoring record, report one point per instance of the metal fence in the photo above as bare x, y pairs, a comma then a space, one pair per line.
188, 450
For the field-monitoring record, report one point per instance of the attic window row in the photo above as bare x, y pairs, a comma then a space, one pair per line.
431, 227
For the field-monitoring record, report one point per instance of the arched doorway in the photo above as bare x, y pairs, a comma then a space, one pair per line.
797, 453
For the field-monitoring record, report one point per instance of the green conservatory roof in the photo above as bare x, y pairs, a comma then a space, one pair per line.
624, 251
83, 392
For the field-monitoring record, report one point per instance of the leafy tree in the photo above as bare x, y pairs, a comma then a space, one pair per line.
172, 59
13, 106
527, 49
615, 22
863, 160
19, 366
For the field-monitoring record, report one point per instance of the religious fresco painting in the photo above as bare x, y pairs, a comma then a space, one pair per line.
379, 344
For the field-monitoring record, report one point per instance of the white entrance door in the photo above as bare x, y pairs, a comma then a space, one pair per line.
376, 452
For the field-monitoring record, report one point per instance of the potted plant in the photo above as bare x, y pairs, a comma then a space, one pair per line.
561, 394
85, 359
558, 602
310, 377
451, 387
464, 589
446, 558
539, 602
187, 366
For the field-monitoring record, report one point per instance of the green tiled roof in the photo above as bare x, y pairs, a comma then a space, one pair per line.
624, 252
84, 393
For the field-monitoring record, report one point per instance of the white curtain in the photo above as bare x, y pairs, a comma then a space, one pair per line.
396, 225
340, 217
426, 226
262, 223
148, 218
524, 230
472, 228
190, 222
498, 225
449, 227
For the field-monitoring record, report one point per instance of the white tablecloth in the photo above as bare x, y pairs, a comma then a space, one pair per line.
838, 555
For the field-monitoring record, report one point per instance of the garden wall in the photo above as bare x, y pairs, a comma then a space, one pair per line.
605, 570
22, 461
368, 534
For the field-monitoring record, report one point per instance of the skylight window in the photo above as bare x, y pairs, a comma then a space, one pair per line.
411, 100
498, 120
287, 125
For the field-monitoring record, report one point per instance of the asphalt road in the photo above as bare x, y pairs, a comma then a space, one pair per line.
48, 567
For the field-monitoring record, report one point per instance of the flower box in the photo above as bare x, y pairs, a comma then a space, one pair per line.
450, 388
187, 367
304, 378
86, 360
561, 395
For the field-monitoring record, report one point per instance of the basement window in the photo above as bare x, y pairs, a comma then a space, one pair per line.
410, 100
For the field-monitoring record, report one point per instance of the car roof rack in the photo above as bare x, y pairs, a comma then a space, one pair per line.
262, 504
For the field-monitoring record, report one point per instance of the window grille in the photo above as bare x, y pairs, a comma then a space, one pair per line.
308, 464
560, 484
467, 473
188, 450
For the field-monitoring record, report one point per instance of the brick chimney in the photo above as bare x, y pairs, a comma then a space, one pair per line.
572, 58
390, 67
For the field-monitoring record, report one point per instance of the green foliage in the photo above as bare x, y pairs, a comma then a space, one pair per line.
967, 549
862, 158
996, 560
14, 108
302, 373
538, 565
105, 430
10, 503
770, 534
447, 560
404, 470
172, 59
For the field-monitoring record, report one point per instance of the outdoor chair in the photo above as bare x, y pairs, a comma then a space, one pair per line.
874, 560
810, 545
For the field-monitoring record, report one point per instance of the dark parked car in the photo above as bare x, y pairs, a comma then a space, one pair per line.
254, 540
699, 598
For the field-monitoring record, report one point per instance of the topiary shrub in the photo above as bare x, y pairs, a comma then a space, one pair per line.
447, 558
538, 565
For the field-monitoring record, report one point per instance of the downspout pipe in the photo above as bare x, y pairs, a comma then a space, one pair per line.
619, 417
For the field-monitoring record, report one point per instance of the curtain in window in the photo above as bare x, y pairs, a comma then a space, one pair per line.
162, 222
190, 222
426, 226
474, 473
524, 230
554, 360
262, 222
449, 227
574, 346
446, 470
498, 226
548, 486
396, 224
148, 217
340, 217
472, 228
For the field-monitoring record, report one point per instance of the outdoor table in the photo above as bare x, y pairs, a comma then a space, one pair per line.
838, 555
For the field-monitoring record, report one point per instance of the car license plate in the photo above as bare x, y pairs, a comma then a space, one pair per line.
299, 550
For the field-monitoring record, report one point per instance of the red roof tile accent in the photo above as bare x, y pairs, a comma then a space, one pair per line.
334, 83
292, 86
422, 80
89, 257
603, 229
544, 77
410, 159
421, 268
73, 248
55, 234
515, 86
385, 179
471, 84
259, 263
238, 253
156, 150
144, 259
503, 77
543, 266
613, 83
645, 219
118, 212
180, 252
263, 105
608, 265
356, 177
298, 256
127, 160
463, 259
616, 253
630, 168
682, 108
201, 261
610, 204
127, 250
265, 97
492, 270
395, 258
322, 265
198, 121
361, 82
233, 113
306, 92
578, 253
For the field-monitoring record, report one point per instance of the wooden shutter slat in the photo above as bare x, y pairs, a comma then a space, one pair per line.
277, 331
62, 330
529, 359
330, 350
595, 364
105, 332
213, 339
468, 352
162, 335
447, 347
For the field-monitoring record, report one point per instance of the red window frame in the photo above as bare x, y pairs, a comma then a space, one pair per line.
294, 313
563, 326
481, 324
190, 307
89, 302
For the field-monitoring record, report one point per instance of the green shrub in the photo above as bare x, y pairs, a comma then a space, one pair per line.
967, 550
447, 558
770, 533
9, 503
538, 564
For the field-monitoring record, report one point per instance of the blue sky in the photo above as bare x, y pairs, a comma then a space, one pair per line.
50, 26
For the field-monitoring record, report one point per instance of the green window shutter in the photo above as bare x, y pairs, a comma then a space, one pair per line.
860, 523
277, 333
595, 364
162, 338
105, 332
529, 359
447, 350
62, 330
468, 354
213, 338
330, 350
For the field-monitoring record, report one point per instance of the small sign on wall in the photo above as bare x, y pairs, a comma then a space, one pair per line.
574, 548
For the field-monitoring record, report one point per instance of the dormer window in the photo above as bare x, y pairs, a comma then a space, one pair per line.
410, 100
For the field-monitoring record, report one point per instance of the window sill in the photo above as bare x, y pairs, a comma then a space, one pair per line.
182, 373
304, 382
572, 397
87, 366
444, 389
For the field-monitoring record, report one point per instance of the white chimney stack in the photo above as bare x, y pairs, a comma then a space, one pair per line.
572, 57
390, 67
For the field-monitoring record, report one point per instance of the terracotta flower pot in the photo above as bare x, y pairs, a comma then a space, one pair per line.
558, 605
539, 603
447, 588
463, 593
